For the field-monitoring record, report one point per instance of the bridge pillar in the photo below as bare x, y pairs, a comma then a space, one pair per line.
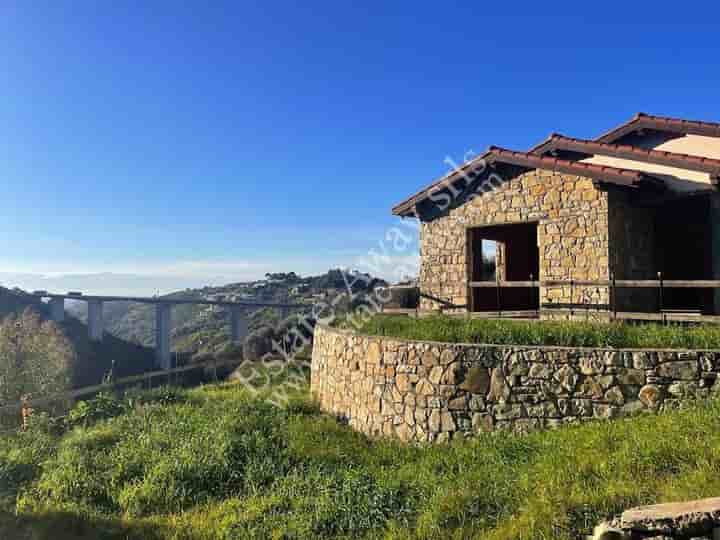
95, 320
162, 335
57, 309
239, 325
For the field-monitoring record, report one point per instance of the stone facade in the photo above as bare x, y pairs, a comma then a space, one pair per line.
583, 233
572, 230
433, 392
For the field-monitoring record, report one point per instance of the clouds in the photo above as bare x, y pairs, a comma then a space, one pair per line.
145, 279
389, 252
103, 283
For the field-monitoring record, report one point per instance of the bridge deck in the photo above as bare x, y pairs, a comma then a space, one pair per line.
160, 300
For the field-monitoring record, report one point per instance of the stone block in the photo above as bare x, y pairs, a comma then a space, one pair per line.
567, 377
644, 360
544, 409
402, 381
477, 403
424, 388
508, 411
678, 520
683, 389
591, 365
459, 403
516, 365
374, 353
614, 396
499, 389
540, 371
590, 388
436, 374
651, 395
453, 374
429, 358
476, 381
448, 356
601, 410
629, 376
482, 422
613, 359
682, 369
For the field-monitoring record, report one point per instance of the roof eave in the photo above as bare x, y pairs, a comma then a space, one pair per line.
662, 124
620, 177
668, 159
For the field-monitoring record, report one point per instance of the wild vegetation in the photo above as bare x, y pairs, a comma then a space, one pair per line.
559, 333
35, 357
221, 463
36, 349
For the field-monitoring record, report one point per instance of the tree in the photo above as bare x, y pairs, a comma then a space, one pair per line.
258, 344
36, 358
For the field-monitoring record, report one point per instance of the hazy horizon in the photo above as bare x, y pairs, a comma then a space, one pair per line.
130, 284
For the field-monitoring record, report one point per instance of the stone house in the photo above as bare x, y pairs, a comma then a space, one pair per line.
638, 200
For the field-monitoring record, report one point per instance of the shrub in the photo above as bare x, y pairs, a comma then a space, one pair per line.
101, 407
35, 357
258, 344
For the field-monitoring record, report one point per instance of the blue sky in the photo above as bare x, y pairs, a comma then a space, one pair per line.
206, 141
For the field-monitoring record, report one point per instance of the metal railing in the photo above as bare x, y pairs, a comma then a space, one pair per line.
96, 388
612, 284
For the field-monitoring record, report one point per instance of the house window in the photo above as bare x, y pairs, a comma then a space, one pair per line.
488, 269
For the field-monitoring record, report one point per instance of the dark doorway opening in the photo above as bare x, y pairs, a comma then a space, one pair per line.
516, 258
684, 251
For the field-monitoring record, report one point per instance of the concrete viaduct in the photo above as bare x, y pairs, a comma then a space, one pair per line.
163, 324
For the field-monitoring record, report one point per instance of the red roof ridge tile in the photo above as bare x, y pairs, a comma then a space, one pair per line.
661, 123
624, 151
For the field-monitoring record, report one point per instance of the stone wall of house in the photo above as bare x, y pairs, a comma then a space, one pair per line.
433, 392
632, 251
572, 217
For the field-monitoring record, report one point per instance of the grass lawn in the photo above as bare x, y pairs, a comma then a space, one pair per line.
559, 333
221, 463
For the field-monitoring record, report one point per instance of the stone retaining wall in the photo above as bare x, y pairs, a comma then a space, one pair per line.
432, 392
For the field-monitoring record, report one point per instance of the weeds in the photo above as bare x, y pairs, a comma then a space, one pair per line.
552, 333
216, 463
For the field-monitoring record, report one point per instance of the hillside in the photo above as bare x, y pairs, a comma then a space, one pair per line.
91, 361
201, 328
220, 463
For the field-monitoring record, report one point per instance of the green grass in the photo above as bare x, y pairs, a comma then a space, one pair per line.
221, 463
558, 333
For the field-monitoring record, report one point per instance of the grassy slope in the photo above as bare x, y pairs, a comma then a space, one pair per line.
220, 463
568, 334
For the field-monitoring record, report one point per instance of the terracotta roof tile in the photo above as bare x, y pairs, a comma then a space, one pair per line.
659, 157
623, 177
661, 123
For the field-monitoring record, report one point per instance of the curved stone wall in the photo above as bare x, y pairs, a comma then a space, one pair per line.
432, 392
